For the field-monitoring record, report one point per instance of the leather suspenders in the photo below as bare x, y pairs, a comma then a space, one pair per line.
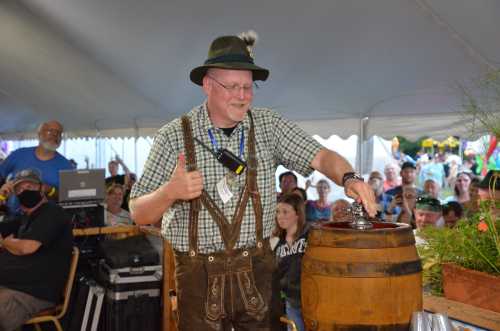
230, 231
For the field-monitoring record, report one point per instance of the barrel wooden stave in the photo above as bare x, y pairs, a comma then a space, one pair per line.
345, 287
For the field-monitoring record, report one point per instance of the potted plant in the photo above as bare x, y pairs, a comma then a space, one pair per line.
464, 262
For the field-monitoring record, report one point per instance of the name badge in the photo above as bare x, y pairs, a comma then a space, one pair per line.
224, 190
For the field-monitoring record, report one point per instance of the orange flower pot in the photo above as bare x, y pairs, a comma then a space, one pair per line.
471, 287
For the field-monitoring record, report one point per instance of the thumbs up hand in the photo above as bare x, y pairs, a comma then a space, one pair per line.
185, 185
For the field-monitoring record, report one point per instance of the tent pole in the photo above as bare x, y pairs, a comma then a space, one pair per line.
460, 147
123, 148
136, 135
363, 124
359, 150
96, 150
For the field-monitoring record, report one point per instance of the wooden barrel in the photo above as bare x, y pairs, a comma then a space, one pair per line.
360, 279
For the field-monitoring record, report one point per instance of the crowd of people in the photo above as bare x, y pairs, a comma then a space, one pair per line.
403, 195
36, 232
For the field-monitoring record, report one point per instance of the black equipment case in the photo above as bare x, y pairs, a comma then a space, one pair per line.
133, 251
132, 276
86, 306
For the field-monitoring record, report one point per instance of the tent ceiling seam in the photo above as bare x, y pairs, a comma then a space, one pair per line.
476, 55
370, 110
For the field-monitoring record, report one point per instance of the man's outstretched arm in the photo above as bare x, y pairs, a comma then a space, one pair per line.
334, 166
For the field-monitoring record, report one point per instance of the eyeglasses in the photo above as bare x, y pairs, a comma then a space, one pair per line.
235, 89
55, 132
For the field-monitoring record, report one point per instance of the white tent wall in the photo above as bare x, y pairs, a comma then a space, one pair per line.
377, 155
97, 152
345, 147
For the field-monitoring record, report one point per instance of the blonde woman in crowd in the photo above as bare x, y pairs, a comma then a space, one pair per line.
319, 210
115, 214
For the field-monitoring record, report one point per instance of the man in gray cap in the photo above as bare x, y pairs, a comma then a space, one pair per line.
29, 244
210, 177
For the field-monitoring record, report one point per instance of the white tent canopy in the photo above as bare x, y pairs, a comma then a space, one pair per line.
120, 67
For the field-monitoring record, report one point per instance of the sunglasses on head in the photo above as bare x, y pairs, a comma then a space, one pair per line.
429, 201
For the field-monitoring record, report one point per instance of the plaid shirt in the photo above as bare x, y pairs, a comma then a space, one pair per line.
278, 141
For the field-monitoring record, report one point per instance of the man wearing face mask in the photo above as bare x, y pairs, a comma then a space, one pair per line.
35, 253
43, 157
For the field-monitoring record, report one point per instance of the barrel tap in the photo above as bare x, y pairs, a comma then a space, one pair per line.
359, 220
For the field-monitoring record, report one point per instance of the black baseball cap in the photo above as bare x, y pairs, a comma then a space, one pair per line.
408, 164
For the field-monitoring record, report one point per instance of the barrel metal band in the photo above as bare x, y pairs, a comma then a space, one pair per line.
360, 270
359, 240
357, 327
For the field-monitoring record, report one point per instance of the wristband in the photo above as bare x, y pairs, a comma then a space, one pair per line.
52, 191
351, 175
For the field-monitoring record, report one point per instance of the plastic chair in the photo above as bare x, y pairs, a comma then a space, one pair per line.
56, 313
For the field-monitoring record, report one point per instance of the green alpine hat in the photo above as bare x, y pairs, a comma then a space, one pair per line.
230, 52
425, 202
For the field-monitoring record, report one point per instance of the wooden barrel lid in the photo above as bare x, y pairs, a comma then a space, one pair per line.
341, 235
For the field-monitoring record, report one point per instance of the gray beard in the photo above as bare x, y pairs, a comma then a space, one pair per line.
49, 146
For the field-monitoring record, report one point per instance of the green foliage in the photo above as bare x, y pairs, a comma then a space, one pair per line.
481, 103
410, 147
473, 243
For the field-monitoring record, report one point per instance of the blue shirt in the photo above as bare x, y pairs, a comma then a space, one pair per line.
433, 171
25, 158
383, 201
316, 213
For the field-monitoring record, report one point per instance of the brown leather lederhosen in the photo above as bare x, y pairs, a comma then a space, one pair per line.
222, 268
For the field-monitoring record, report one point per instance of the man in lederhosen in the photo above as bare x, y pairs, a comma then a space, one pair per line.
210, 176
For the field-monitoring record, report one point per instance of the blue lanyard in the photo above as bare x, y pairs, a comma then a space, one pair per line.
216, 145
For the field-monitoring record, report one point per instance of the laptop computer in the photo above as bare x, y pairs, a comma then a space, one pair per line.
81, 187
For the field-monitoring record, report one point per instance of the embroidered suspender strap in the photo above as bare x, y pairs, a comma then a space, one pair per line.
252, 184
230, 232
194, 209
225, 228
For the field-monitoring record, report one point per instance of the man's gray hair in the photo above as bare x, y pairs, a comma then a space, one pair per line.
41, 125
